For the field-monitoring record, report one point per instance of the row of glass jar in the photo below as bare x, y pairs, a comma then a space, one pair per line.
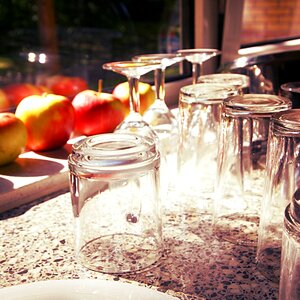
239, 156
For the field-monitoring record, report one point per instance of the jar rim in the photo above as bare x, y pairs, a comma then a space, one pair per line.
287, 122
113, 151
237, 80
293, 86
256, 104
207, 93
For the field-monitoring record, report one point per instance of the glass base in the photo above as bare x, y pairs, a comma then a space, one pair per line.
159, 115
134, 123
238, 229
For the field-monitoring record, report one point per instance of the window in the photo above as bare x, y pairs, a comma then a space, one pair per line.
75, 38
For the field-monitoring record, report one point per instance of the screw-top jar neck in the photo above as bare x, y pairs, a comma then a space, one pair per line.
230, 79
287, 123
293, 87
206, 93
260, 105
113, 152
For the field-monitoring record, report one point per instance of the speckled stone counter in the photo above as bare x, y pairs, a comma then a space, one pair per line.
37, 244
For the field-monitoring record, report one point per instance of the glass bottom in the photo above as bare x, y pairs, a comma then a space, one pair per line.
238, 229
158, 114
134, 123
120, 253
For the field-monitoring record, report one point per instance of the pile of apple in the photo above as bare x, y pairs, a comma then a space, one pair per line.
47, 116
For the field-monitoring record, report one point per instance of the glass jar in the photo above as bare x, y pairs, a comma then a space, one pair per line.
281, 181
241, 165
200, 109
289, 288
115, 192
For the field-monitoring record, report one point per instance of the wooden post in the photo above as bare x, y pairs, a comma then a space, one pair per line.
47, 29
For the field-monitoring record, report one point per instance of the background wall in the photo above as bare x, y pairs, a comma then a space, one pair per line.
270, 20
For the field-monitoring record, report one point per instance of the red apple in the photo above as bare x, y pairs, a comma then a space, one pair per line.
13, 137
97, 112
17, 91
4, 102
147, 94
66, 85
49, 120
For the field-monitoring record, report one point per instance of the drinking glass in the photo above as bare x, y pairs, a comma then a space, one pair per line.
282, 180
289, 288
242, 165
197, 57
200, 108
158, 115
115, 192
133, 70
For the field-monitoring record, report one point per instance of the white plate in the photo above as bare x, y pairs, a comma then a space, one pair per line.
86, 289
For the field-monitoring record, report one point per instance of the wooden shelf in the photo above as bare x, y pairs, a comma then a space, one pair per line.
33, 175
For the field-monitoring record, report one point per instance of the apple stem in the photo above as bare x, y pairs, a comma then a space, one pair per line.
100, 85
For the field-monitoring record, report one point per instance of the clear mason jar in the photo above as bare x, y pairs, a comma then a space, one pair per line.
241, 165
115, 192
281, 181
200, 108
289, 288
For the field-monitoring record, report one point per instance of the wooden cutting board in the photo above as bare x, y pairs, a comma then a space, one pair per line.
33, 175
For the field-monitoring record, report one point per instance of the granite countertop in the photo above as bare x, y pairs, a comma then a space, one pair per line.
37, 244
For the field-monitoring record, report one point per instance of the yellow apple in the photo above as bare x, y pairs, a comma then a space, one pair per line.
49, 120
13, 136
147, 94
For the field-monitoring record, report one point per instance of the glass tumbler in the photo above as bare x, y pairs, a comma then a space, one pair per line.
282, 180
115, 192
241, 165
289, 288
199, 127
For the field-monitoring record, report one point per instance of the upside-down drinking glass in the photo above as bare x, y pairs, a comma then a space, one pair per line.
158, 115
200, 113
115, 192
197, 57
133, 70
241, 165
282, 180
289, 288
